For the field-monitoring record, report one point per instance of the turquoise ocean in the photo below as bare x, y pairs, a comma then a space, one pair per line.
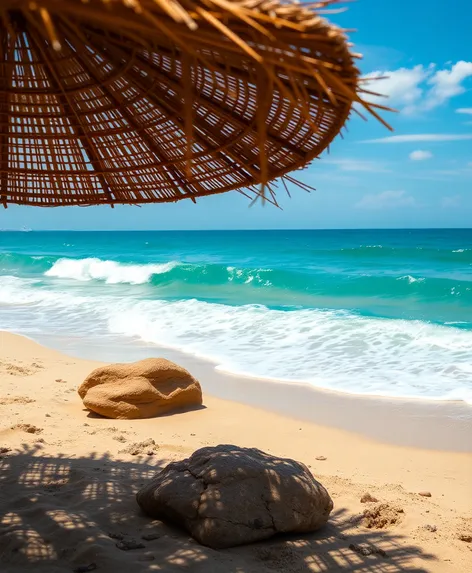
369, 312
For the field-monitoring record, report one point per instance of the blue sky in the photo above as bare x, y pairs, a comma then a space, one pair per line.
419, 176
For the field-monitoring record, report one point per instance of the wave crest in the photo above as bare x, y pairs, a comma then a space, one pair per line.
111, 272
333, 349
411, 279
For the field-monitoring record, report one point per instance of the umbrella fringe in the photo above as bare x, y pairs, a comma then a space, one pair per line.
263, 87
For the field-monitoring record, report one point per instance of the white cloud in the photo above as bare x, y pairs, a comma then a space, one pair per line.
467, 110
386, 200
414, 137
421, 88
452, 201
356, 165
402, 86
447, 84
420, 155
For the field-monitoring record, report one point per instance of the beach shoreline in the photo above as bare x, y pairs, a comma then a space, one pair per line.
69, 479
412, 422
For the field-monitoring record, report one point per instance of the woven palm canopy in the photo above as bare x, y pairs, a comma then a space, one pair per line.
140, 101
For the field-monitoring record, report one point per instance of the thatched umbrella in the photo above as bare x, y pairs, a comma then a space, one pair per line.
143, 101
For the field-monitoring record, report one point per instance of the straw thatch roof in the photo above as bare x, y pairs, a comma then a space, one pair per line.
137, 101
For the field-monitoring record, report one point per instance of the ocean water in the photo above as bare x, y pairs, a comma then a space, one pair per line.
369, 312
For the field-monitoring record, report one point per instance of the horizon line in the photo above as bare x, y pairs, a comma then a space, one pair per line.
29, 230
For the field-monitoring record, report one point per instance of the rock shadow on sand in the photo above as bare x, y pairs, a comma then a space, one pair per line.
60, 514
194, 408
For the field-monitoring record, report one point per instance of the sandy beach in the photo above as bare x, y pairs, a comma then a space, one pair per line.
69, 479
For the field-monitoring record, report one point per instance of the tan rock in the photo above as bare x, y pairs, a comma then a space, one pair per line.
227, 496
143, 389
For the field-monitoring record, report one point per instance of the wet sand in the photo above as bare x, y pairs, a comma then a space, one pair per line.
429, 424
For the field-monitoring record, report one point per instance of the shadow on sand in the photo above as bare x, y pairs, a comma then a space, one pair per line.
61, 513
173, 413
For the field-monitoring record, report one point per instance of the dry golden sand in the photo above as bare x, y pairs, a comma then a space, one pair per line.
67, 484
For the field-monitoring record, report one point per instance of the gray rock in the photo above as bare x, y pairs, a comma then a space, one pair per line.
227, 496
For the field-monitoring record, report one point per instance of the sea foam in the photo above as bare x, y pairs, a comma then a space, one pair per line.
326, 348
111, 272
